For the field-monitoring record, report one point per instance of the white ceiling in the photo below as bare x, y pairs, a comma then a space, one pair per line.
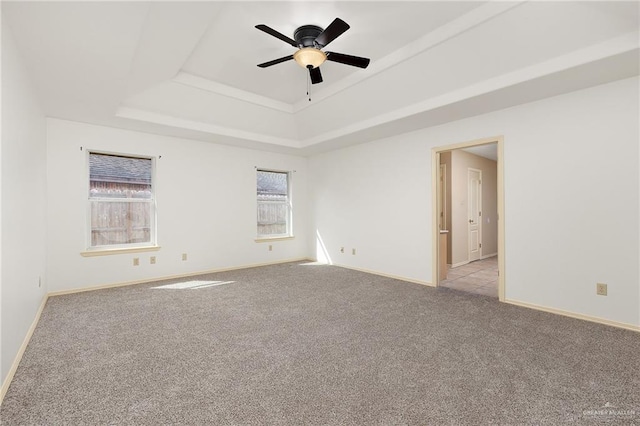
189, 69
231, 48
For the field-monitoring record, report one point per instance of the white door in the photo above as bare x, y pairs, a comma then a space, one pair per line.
474, 189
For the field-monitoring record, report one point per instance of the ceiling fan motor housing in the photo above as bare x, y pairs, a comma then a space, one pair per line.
306, 35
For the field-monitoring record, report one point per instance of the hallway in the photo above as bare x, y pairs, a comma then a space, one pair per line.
479, 277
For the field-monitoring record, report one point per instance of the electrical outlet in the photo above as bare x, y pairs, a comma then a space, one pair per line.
184, 256
601, 289
341, 249
152, 260
136, 261
270, 247
353, 251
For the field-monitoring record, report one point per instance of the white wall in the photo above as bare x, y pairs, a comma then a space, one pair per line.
571, 200
206, 203
376, 198
23, 189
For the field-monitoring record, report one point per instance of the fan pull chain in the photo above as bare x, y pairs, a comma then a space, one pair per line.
309, 86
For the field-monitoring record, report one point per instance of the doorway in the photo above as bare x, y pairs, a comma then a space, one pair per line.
468, 215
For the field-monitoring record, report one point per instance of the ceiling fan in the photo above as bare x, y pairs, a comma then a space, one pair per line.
310, 40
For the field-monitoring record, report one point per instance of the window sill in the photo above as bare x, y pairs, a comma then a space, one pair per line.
107, 252
266, 239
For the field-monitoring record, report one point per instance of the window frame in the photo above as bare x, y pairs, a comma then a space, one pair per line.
153, 222
289, 204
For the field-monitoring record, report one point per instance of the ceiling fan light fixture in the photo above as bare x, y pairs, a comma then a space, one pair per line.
309, 56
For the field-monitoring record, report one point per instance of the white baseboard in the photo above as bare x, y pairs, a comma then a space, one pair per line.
486, 256
455, 265
575, 315
382, 274
23, 347
172, 277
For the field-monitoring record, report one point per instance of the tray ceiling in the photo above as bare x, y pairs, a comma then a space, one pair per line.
189, 68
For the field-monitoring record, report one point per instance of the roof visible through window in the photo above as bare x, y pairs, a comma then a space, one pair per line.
272, 183
114, 168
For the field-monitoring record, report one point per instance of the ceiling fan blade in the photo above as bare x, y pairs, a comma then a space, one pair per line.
316, 75
337, 27
354, 61
276, 61
276, 34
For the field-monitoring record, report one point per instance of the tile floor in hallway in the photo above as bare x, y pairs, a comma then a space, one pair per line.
480, 277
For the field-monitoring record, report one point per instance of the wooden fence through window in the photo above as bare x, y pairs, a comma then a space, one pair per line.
120, 213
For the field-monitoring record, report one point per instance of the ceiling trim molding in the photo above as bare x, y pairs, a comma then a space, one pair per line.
168, 120
447, 31
231, 92
618, 45
451, 29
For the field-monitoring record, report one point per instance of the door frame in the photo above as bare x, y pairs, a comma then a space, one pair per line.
435, 171
442, 206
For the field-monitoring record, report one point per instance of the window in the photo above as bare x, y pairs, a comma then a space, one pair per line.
121, 201
274, 204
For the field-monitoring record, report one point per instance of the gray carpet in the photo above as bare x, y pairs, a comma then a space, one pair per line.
305, 345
